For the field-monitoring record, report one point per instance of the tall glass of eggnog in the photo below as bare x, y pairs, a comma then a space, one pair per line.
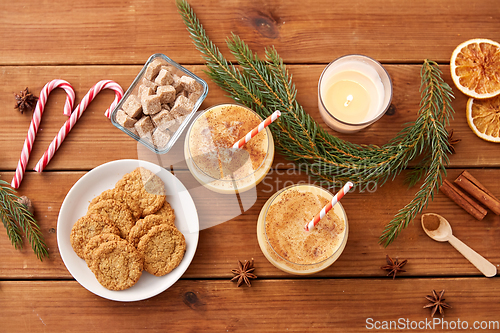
211, 158
282, 236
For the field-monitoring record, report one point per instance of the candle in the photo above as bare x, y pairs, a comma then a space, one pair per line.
354, 91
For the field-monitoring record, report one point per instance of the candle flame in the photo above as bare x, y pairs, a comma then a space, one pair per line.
348, 100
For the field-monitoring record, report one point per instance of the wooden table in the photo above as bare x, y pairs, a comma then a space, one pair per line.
85, 42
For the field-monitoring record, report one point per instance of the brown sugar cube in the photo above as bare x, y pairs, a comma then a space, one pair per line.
145, 91
189, 84
175, 124
182, 106
165, 107
166, 93
124, 119
153, 69
169, 68
194, 96
151, 104
148, 83
164, 78
160, 138
163, 119
174, 127
179, 118
133, 130
183, 93
132, 106
177, 83
144, 126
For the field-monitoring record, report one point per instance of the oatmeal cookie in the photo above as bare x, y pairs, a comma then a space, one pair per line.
163, 248
87, 227
143, 226
145, 187
167, 212
117, 212
121, 196
117, 265
94, 243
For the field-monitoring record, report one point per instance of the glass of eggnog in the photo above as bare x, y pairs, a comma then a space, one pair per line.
354, 91
210, 156
282, 236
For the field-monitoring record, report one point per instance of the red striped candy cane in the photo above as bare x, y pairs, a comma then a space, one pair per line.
329, 206
257, 129
77, 113
35, 123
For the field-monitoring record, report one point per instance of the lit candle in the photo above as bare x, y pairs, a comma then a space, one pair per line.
354, 91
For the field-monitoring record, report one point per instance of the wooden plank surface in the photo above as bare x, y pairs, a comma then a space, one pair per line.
228, 236
312, 305
94, 140
128, 32
84, 42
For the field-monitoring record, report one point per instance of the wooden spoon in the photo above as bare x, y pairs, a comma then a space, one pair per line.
444, 233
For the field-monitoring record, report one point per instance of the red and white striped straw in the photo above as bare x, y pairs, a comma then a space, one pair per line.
257, 129
77, 113
329, 206
35, 123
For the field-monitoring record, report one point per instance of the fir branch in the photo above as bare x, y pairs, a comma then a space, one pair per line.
225, 75
414, 176
266, 85
12, 211
436, 110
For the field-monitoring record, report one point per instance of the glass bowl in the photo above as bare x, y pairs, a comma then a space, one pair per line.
176, 128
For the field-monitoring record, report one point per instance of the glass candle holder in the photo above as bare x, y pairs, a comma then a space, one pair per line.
354, 91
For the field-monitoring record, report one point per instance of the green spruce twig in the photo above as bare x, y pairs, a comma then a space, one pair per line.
16, 217
266, 85
435, 111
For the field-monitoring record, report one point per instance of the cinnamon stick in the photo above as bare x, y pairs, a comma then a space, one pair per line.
472, 186
463, 200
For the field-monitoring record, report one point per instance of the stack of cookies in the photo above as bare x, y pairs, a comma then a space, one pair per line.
128, 229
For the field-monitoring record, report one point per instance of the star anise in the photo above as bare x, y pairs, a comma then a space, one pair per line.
437, 302
26, 101
393, 267
244, 273
452, 141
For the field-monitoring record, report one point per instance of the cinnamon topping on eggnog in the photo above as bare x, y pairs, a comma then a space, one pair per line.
285, 221
209, 149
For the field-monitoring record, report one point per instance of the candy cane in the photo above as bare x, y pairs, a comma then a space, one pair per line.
35, 123
77, 113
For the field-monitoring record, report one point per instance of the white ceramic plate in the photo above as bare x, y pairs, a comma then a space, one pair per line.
94, 183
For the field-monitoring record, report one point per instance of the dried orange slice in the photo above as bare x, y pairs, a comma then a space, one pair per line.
475, 68
483, 117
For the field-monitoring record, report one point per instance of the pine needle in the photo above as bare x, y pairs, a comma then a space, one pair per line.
265, 85
16, 217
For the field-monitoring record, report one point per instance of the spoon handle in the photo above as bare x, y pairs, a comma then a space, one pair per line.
486, 267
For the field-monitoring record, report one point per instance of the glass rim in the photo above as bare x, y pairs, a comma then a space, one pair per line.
202, 112
340, 247
384, 109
